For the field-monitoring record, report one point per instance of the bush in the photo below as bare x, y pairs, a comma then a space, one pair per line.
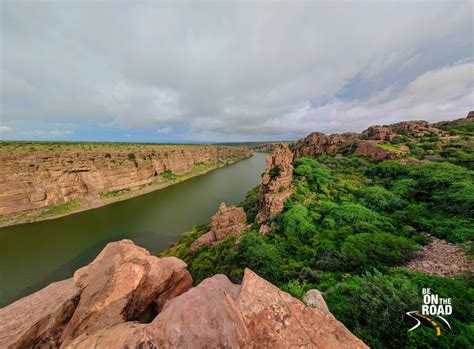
251, 204
373, 307
168, 175
379, 199
319, 177
366, 251
261, 257
274, 172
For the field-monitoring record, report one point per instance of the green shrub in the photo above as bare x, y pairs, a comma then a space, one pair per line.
374, 305
168, 175
366, 251
379, 199
274, 172
251, 204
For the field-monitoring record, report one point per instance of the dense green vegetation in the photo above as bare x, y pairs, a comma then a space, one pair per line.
346, 230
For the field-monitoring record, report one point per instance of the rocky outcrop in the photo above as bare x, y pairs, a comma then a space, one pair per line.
415, 128
367, 143
124, 283
220, 314
276, 183
127, 298
39, 320
31, 180
379, 133
267, 147
317, 144
371, 150
228, 221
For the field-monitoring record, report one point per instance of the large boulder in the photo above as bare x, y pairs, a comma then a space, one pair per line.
38, 320
275, 319
124, 283
379, 133
220, 314
127, 298
317, 144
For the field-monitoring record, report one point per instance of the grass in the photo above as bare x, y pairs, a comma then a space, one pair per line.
108, 147
44, 213
387, 146
114, 194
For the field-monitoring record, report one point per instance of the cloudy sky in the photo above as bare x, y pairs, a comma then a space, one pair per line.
222, 71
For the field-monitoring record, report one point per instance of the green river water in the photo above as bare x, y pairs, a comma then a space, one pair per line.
36, 254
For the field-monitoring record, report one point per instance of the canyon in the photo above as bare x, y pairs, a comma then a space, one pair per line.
127, 298
32, 179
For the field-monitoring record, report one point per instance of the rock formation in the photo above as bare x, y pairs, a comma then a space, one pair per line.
371, 150
379, 133
32, 180
228, 221
124, 283
127, 298
276, 182
415, 128
317, 144
267, 147
364, 144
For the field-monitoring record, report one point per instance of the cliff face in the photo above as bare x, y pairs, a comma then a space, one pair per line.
127, 298
36, 179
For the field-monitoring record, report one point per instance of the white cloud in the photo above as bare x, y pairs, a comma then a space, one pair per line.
5, 129
232, 70
165, 130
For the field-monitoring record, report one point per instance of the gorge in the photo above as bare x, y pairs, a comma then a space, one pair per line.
35, 254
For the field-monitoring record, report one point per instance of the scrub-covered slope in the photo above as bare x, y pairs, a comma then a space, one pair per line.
354, 221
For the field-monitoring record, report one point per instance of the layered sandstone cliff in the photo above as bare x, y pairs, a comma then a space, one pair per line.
31, 180
127, 298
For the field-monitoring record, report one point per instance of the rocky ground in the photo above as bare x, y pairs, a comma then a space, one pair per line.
127, 298
442, 259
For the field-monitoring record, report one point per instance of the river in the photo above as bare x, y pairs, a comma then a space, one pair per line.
36, 254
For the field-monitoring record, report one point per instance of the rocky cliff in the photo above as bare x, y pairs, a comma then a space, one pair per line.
276, 182
33, 179
127, 298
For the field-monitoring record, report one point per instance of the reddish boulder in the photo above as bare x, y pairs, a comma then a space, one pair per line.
275, 319
127, 298
39, 319
379, 133
228, 221
317, 144
124, 283
219, 314
276, 182
415, 128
